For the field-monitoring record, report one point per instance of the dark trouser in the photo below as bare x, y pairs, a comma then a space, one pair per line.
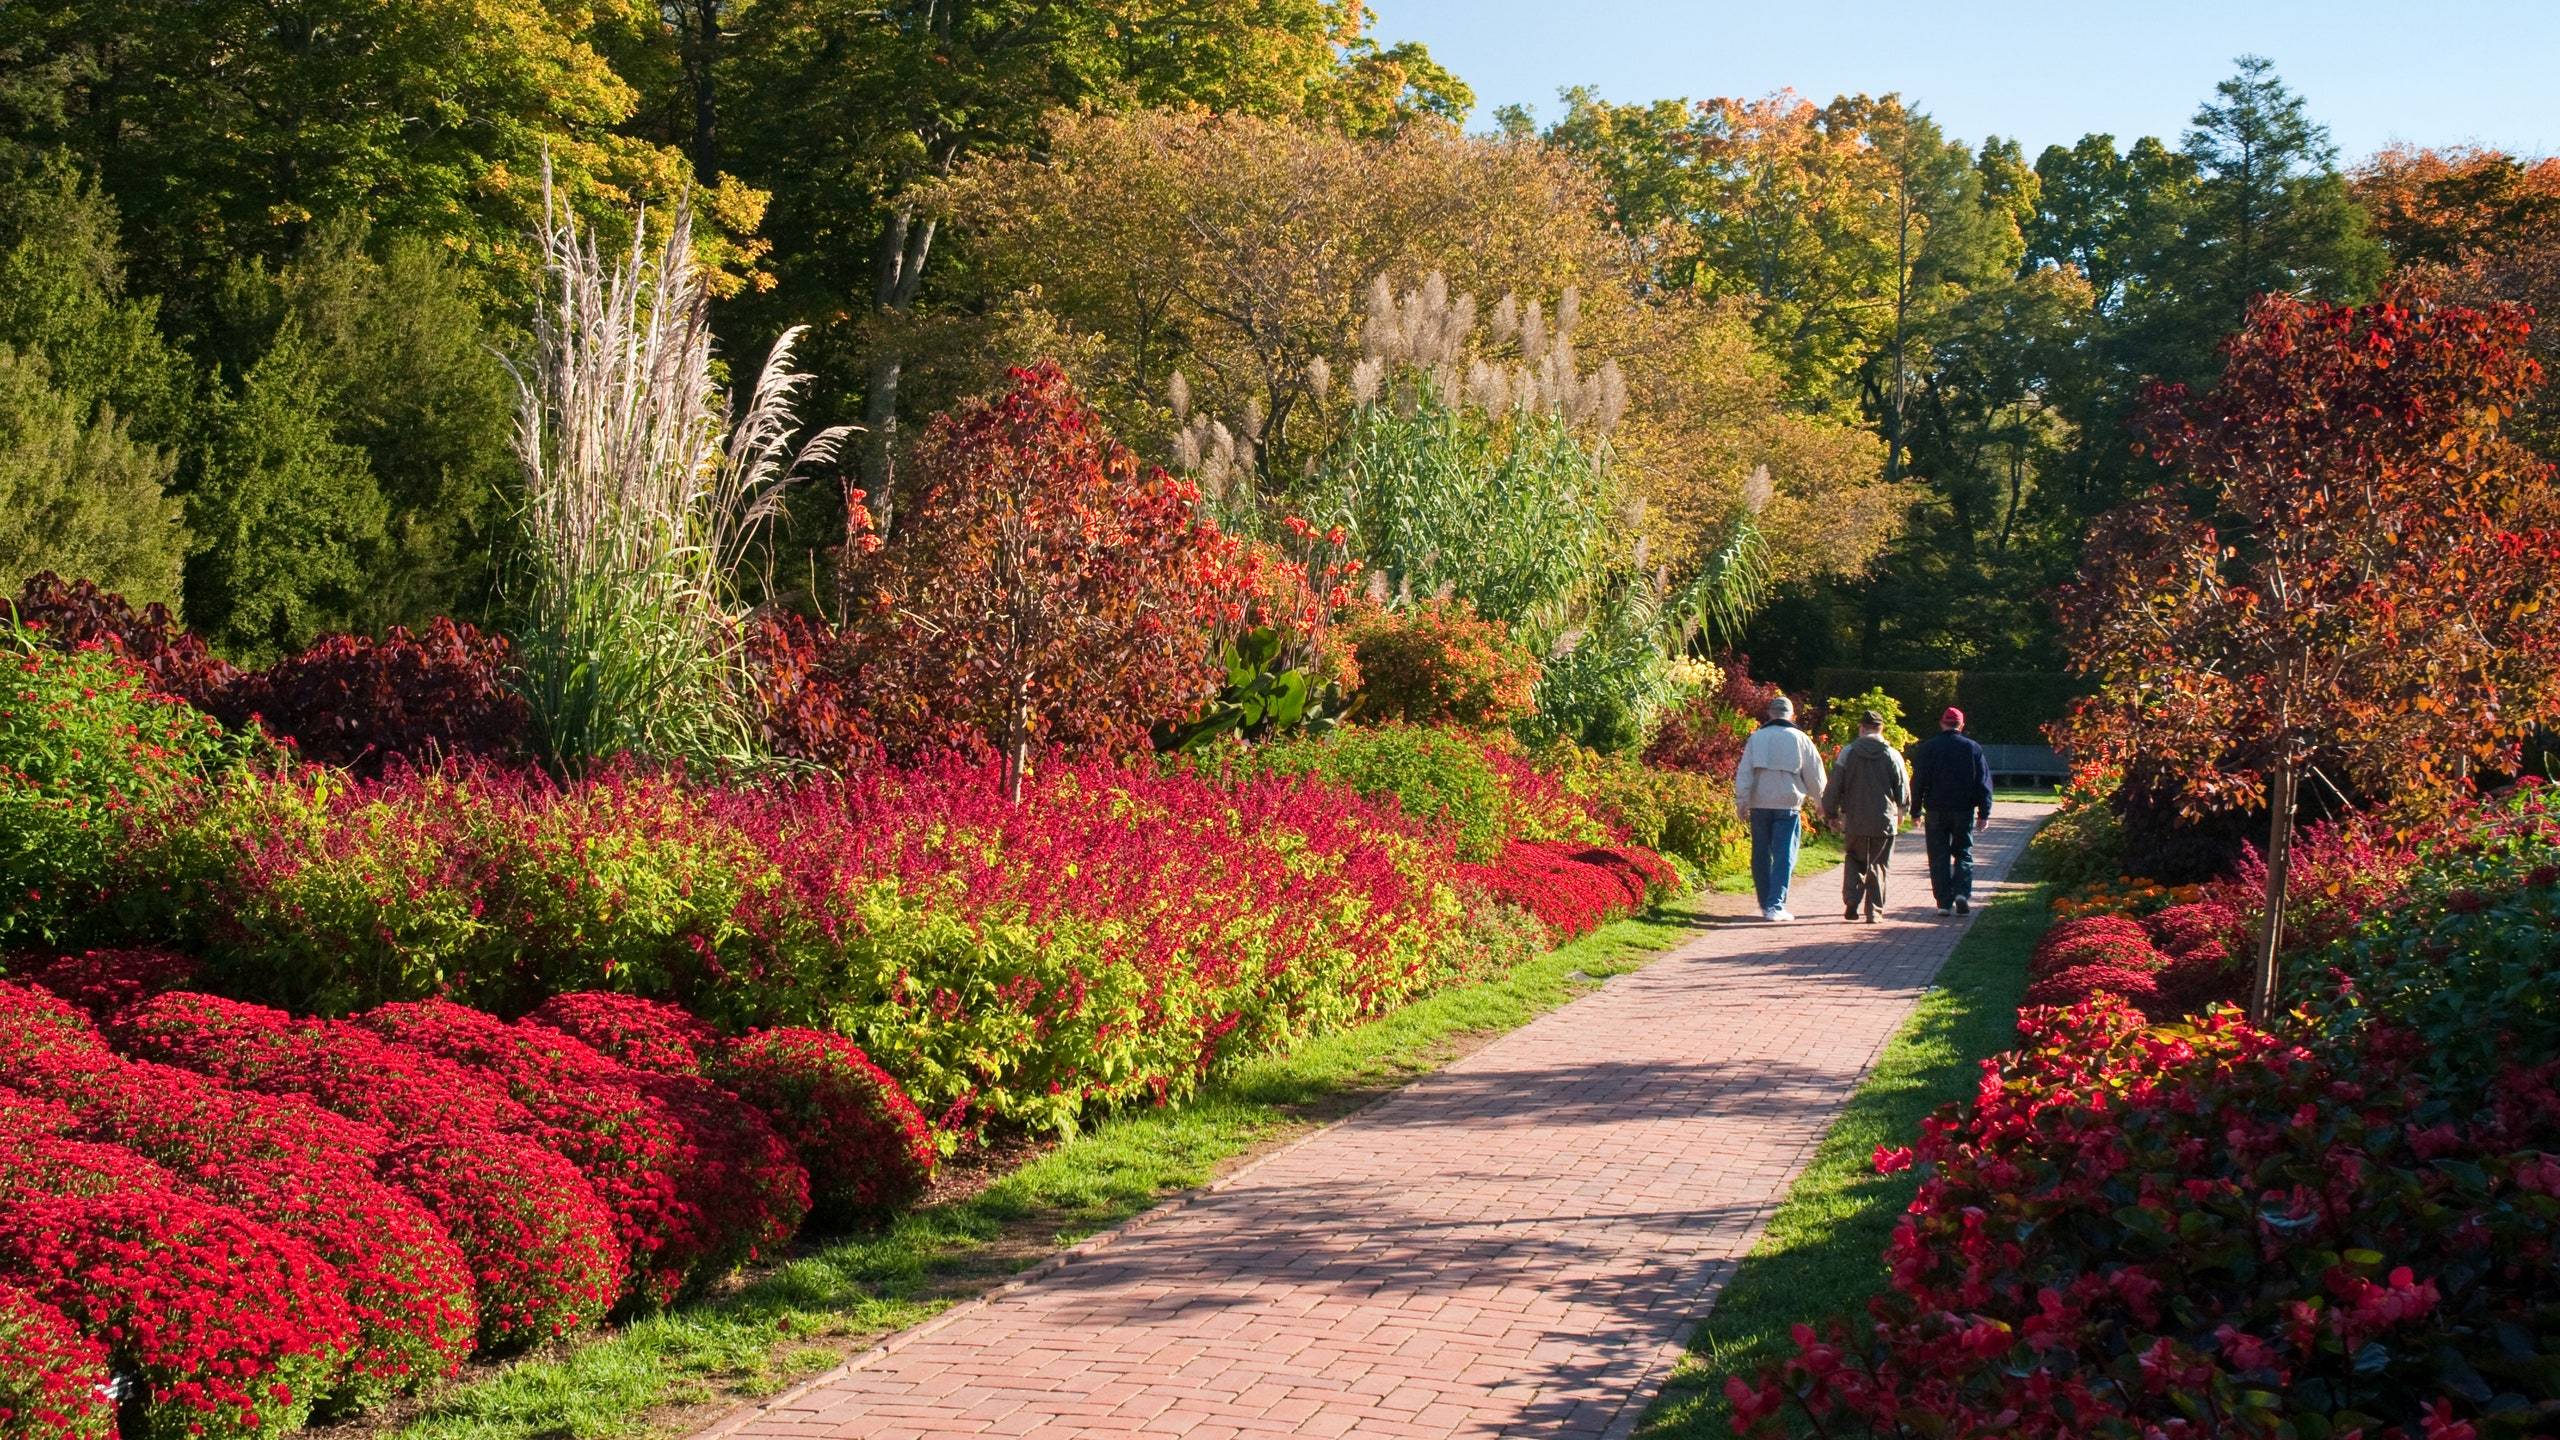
1951, 857
1862, 879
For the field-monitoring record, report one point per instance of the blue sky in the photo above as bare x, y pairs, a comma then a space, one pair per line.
2441, 73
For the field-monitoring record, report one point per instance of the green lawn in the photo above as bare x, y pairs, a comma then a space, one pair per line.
663, 1374
1821, 1254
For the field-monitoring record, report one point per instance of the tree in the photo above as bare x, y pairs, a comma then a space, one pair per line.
2272, 213
283, 515
846, 105
2363, 579
78, 495
1044, 588
2441, 207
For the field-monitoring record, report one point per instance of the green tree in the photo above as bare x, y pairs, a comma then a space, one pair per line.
63, 297
285, 516
78, 494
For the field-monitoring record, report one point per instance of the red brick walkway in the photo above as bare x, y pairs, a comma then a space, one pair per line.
1512, 1246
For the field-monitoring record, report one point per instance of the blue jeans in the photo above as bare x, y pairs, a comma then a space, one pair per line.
1774, 835
1950, 856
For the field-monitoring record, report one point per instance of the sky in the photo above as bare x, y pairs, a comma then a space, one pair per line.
2449, 72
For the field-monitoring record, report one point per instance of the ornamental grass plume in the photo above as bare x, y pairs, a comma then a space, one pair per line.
645, 497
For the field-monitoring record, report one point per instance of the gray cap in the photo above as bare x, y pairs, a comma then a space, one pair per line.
1781, 708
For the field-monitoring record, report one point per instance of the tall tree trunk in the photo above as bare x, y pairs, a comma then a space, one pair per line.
906, 242
2262, 977
701, 54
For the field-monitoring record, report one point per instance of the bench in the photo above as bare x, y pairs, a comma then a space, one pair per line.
2027, 764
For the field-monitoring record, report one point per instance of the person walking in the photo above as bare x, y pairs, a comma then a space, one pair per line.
1867, 793
1951, 792
1780, 770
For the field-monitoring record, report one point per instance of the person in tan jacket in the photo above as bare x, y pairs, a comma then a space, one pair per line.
1868, 792
1780, 770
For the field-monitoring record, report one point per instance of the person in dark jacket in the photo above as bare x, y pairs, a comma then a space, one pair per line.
1951, 792
1865, 797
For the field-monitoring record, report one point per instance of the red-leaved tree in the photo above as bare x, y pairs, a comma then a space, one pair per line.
2361, 572
1041, 586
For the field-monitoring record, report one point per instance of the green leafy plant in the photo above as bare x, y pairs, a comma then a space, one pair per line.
1440, 777
1840, 719
1263, 695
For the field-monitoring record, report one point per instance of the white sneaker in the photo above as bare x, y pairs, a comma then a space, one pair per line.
1780, 915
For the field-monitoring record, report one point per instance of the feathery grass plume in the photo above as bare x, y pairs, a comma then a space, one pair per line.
644, 500
1320, 378
1177, 397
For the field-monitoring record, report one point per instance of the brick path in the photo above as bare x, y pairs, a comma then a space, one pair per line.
1512, 1246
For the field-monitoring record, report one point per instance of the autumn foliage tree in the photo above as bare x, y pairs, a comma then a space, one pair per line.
2361, 571
1040, 587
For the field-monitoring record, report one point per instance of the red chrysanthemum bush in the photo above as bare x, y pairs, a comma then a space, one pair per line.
362, 704
37, 1025
1573, 889
49, 1167
25, 1114
53, 1379
2135, 984
2133, 1233
643, 1034
2182, 930
231, 1328
697, 1182
866, 1144
2088, 938
544, 1255
103, 982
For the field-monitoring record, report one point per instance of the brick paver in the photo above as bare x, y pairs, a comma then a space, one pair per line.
1514, 1245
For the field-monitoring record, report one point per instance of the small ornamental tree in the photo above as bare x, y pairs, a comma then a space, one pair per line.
2362, 573
1040, 587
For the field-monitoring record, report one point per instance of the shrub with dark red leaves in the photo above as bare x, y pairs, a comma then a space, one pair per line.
1705, 735
643, 1034
53, 1379
542, 1249
36, 1025
2134, 1234
697, 1182
808, 701
231, 1328
171, 659
2199, 980
363, 704
103, 982
2086, 938
1573, 889
866, 1144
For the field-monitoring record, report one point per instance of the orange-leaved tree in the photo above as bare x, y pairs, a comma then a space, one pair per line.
2361, 570
1040, 586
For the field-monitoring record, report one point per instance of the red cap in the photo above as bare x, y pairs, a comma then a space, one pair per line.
1952, 720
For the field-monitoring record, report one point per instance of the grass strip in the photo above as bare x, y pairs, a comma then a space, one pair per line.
668, 1373
1821, 1255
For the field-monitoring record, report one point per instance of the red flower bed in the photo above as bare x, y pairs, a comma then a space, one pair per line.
697, 1183
53, 1379
37, 1025
103, 982
2217, 1233
47, 1167
2137, 985
2183, 930
1572, 889
231, 1328
2117, 938
866, 1144
194, 1125
643, 1034
542, 1249
25, 1114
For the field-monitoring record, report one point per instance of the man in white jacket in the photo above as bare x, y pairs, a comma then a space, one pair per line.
1781, 769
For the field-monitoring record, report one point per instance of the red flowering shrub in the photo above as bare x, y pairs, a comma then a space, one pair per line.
46, 1167
2132, 1234
230, 1328
25, 1114
103, 982
2136, 985
1573, 889
542, 1250
194, 1125
2118, 939
697, 1183
2181, 930
1436, 662
643, 1034
361, 704
36, 1025
866, 1144
173, 660
53, 1379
